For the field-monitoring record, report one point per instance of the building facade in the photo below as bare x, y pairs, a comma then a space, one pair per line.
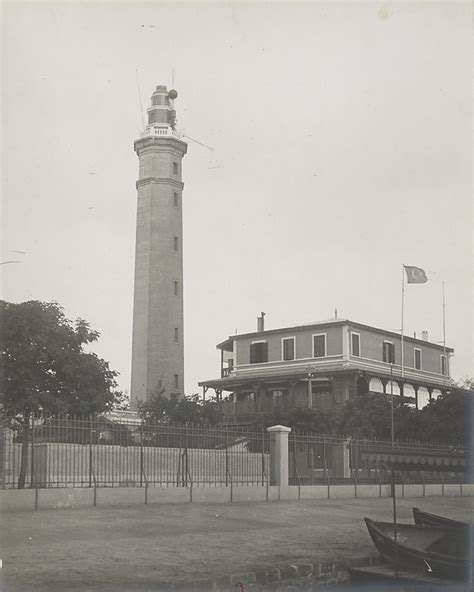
157, 348
322, 365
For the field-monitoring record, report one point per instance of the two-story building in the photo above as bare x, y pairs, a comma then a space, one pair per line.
321, 365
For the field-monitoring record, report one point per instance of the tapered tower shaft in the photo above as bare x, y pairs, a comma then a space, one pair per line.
158, 329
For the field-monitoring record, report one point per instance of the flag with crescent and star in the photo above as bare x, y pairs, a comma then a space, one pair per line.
415, 275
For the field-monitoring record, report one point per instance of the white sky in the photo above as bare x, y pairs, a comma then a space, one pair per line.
342, 149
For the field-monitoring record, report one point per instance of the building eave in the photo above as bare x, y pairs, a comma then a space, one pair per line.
336, 323
324, 374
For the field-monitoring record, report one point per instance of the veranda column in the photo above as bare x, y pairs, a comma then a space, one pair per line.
279, 455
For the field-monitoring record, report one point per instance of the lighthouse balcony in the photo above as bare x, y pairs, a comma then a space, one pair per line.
160, 131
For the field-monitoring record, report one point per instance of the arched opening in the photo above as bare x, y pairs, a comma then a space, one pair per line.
396, 388
423, 397
375, 385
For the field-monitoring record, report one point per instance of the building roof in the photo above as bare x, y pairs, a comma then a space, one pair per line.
337, 321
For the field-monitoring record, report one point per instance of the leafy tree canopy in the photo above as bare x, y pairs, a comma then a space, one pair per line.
449, 417
188, 410
44, 364
301, 419
445, 419
369, 416
122, 401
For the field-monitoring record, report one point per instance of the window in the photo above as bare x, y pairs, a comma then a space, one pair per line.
388, 352
175, 199
355, 344
175, 168
259, 352
319, 346
176, 381
288, 346
276, 394
175, 243
176, 334
417, 359
444, 365
176, 288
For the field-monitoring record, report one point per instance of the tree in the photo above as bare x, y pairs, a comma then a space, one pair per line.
449, 417
122, 401
369, 416
189, 410
45, 366
319, 421
466, 384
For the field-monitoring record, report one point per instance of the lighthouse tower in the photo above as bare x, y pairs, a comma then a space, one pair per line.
157, 348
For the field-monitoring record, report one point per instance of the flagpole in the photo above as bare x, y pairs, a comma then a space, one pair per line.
444, 336
403, 300
394, 483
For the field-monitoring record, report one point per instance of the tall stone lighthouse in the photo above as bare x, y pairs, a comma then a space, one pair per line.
157, 348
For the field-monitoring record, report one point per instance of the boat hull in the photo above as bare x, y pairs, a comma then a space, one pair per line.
427, 550
427, 519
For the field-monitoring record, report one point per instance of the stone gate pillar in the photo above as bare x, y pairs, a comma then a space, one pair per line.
279, 455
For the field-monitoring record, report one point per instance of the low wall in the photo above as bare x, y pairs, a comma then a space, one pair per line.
75, 465
12, 500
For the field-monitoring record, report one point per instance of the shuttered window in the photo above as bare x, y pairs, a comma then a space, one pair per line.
289, 348
418, 359
319, 346
444, 365
259, 352
355, 344
388, 351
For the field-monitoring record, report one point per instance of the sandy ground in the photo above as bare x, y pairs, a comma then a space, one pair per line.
141, 547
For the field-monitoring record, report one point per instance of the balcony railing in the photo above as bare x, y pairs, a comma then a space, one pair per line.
329, 363
160, 132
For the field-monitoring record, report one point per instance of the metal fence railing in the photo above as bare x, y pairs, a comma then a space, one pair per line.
78, 452
82, 452
315, 459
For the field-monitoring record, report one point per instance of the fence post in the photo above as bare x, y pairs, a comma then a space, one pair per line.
141, 454
32, 470
90, 452
185, 464
226, 458
279, 455
326, 474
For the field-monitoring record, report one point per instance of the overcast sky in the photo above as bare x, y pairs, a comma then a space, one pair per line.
342, 149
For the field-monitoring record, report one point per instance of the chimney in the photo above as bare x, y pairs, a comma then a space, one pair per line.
424, 335
261, 323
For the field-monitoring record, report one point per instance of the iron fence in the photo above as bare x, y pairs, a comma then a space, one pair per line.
99, 452
315, 459
78, 452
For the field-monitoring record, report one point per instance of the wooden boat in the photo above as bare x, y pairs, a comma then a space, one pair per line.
427, 519
430, 550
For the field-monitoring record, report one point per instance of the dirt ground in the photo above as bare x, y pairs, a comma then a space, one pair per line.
142, 547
